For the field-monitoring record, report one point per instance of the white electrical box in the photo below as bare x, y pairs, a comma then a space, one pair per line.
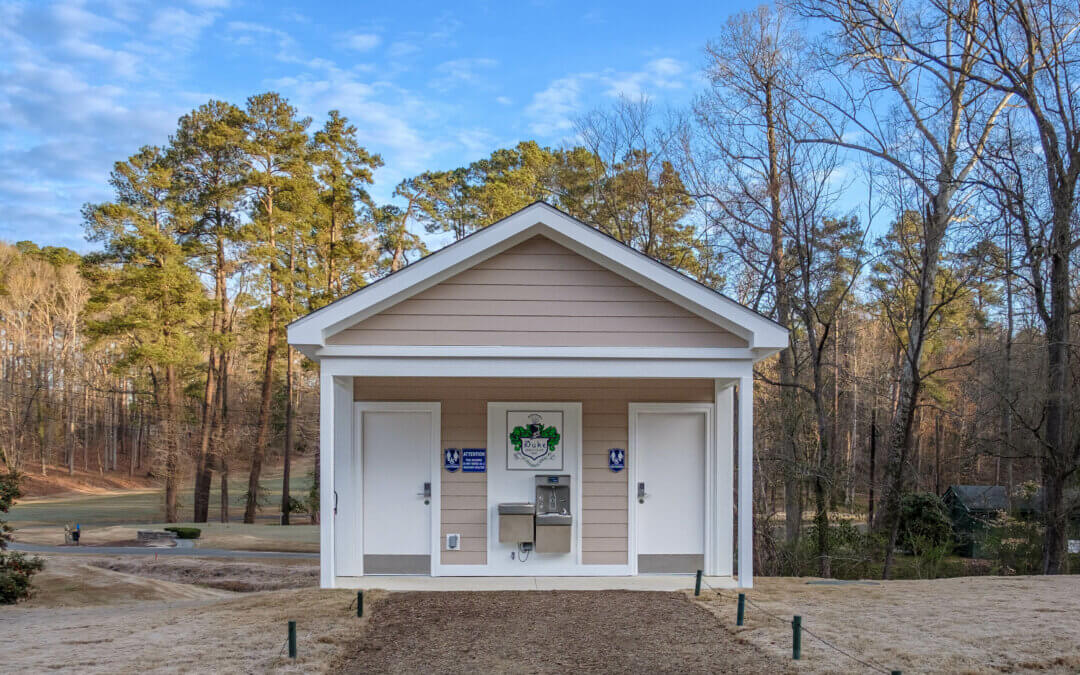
453, 542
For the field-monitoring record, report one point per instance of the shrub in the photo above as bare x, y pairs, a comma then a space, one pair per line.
296, 506
852, 553
1014, 546
16, 569
929, 556
924, 522
185, 532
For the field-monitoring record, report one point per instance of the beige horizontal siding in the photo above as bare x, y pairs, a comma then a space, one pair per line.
605, 404
537, 294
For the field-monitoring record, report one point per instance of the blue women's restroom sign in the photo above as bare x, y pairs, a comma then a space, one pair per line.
452, 459
616, 459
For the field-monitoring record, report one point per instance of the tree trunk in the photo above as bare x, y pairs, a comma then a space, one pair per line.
1059, 460
224, 489
935, 223
873, 459
788, 403
172, 443
259, 451
203, 471
285, 497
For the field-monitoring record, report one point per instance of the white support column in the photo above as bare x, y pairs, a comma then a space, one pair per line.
746, 482
335, 432
326, 480
724, 479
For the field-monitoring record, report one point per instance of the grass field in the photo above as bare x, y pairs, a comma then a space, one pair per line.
121, 507
111, 516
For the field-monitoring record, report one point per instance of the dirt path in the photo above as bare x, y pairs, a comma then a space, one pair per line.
163, 551
549, 632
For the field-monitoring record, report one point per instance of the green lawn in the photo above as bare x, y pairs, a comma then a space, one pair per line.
148, 506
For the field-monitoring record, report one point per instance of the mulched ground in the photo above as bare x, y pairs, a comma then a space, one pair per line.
549, 632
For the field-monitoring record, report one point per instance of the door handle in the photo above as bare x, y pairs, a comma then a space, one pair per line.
426, 494
335, 502
641, 492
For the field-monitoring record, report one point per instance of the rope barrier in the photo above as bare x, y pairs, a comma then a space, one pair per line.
869, 664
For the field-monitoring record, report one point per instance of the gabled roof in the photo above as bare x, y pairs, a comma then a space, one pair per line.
980, 497
763, 335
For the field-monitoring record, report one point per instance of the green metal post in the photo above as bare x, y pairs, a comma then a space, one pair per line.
359, 603
796, 638
742, 609
292, 639
697, 584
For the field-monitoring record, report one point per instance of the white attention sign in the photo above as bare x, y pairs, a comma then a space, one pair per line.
534, 440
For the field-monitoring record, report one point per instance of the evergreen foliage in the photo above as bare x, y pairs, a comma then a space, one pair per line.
16, 569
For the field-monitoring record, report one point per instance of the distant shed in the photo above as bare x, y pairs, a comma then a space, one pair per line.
972, 508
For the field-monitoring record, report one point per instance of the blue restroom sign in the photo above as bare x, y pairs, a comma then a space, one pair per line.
452, 459
616, 459
474, 460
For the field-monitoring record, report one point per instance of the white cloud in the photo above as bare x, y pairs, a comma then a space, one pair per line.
360, 42
476, 141
504, 100
552, 109
68, 111
664, 73
461, 71
181, 27
401, 48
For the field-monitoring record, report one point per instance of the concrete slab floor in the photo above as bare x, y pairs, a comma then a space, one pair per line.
649, 582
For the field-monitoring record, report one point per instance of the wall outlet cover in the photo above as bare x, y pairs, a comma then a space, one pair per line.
453, 542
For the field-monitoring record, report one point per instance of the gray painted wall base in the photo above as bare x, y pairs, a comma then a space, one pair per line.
397, 564
670, 564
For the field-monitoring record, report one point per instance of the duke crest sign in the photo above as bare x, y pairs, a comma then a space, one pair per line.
534, 440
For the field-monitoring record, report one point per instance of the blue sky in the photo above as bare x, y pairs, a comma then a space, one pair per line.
429, 85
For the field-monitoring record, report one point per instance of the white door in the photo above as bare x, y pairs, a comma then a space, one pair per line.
396, 449
669, 451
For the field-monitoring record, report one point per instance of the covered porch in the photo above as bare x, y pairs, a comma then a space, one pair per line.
641, 519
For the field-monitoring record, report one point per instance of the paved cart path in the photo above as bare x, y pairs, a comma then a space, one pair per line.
549, 632
150, 550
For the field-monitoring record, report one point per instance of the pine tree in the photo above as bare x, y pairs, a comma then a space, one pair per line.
208, 179
275, 146
147, 297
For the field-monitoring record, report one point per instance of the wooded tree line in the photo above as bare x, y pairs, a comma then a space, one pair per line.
897, 184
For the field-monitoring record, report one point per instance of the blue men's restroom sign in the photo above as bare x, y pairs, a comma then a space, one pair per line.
452, 459
616, 459
474, 460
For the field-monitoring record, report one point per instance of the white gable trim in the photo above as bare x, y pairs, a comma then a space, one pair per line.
763, 335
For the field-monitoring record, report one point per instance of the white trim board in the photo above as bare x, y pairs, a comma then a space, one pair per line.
761, 333
569, 368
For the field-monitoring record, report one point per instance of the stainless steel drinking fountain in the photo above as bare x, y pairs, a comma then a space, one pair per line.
553, 516
516, 522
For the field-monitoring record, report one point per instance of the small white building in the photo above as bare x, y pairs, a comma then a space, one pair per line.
604, 399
